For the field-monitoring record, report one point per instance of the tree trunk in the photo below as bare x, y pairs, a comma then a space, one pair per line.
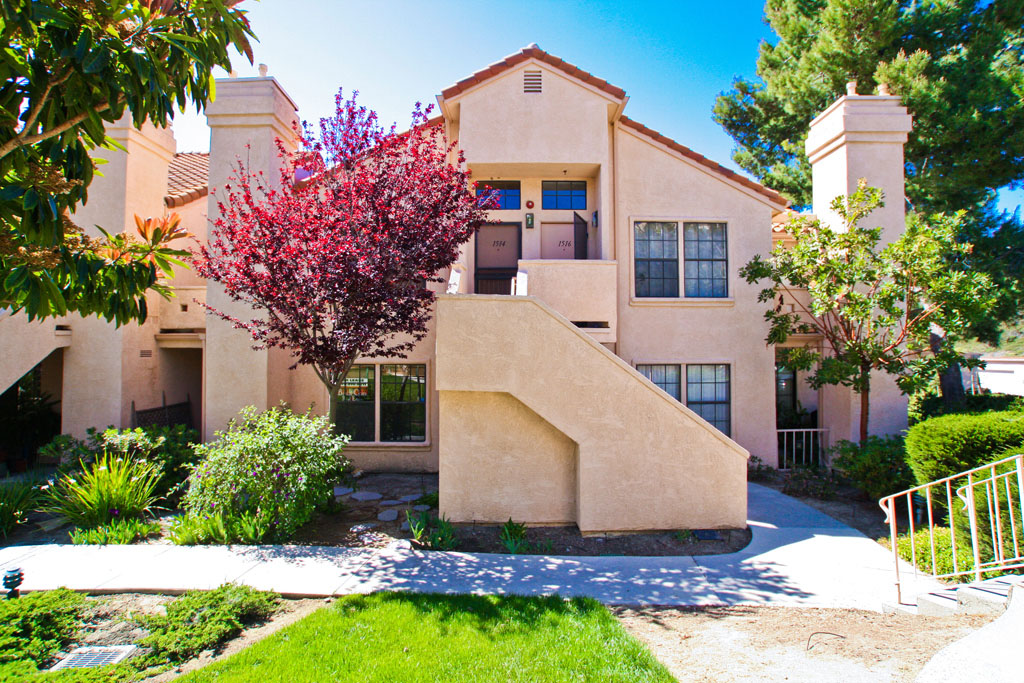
951, 383
332, 407
865, 398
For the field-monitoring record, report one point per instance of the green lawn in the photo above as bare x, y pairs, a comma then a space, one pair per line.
410, 637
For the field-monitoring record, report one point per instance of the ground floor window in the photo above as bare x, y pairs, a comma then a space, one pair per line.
385, 403
707, 389
708, 394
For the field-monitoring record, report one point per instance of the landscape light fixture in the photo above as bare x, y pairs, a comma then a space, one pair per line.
12, 579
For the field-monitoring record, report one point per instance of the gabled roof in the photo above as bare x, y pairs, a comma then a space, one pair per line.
188, 178
532, 52
703, 160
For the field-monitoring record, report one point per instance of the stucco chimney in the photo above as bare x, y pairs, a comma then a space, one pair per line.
860, 136
254, 112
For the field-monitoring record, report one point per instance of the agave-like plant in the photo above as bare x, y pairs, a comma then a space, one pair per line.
112, 488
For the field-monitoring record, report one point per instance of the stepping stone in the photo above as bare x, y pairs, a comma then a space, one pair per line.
366, 495
405, 526
388, 515
420, 508
360, 528
410, 498
386, 503
342, 490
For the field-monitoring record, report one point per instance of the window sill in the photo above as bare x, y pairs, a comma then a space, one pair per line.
683, 302
389, 445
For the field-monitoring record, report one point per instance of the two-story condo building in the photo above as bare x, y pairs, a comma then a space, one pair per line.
595, 357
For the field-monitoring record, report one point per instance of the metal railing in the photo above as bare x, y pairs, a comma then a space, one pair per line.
802, 447
986, 514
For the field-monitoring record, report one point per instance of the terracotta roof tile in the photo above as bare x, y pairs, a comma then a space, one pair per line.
526, 53
187, 178
704, 161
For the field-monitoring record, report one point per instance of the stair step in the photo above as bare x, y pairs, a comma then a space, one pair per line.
938, 604
980, 599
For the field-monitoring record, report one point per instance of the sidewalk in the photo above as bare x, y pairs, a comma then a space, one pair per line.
798, 556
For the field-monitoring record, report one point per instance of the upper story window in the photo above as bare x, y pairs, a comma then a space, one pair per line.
706, 264
564, 194
507, 192
656, 259
656, 266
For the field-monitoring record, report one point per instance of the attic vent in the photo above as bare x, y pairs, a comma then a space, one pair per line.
89, 657
145, 353
531, 81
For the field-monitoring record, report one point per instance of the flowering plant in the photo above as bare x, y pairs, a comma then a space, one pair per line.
275, 467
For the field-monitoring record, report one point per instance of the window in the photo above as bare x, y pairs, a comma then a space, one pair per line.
403, 403
705, 263
564, 194
656, 264
707, 394
507, 192
665, 376
355, 415
399, 403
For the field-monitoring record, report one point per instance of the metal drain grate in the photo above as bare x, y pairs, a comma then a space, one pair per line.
89, 657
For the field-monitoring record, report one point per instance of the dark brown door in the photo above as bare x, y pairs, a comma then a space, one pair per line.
580, 235
498, 251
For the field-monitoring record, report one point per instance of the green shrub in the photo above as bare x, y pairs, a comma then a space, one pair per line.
930, 404
17, 499
757, 470
172, 448
118, 532
1006, 490
809, 482
513, 537
69, 453
920, 544
432, 499
203, 620
110, 488
38, 625
191, 529
878, 467
276, 466
943, 446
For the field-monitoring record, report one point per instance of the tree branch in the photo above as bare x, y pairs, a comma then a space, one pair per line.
20, 140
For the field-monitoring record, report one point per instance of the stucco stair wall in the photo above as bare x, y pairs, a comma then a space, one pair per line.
644, 460
24, 344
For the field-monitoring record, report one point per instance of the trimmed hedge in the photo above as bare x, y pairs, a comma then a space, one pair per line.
942, 446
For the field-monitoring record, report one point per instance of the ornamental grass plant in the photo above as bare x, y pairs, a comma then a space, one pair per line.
17, 499
112, 488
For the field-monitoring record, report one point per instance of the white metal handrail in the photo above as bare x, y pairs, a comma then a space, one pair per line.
995, 516
802, 447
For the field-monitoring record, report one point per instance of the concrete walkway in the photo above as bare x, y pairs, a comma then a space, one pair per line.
798, 556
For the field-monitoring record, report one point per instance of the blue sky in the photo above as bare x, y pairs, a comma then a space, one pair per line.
671, 58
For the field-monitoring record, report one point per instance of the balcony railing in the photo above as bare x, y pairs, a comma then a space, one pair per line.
977, 530
802, 448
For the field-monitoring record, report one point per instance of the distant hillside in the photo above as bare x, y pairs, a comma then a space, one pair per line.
1011, 343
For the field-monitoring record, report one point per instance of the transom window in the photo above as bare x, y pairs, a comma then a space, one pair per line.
564, 194
507, 193
656, 259
708, 395
397, 405
665, 376
706, 264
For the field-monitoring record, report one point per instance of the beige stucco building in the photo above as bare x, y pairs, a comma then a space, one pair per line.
595, 358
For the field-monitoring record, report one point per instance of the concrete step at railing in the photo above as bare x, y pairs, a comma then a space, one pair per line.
989, 596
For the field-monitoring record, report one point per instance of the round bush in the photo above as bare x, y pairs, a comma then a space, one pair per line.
942, 446
878, 467
273, 467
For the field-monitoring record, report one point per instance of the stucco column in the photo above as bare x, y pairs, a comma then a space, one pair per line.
102, 361
245, 121
861, 136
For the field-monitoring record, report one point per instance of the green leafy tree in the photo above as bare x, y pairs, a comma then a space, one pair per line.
958, 65
874, 307
69, 67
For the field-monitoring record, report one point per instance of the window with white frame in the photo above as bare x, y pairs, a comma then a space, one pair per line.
384, 403
656, 272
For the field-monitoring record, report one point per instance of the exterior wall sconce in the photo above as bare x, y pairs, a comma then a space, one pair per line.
12, 580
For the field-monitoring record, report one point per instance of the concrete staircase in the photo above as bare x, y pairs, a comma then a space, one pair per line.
990, 596
24, 344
